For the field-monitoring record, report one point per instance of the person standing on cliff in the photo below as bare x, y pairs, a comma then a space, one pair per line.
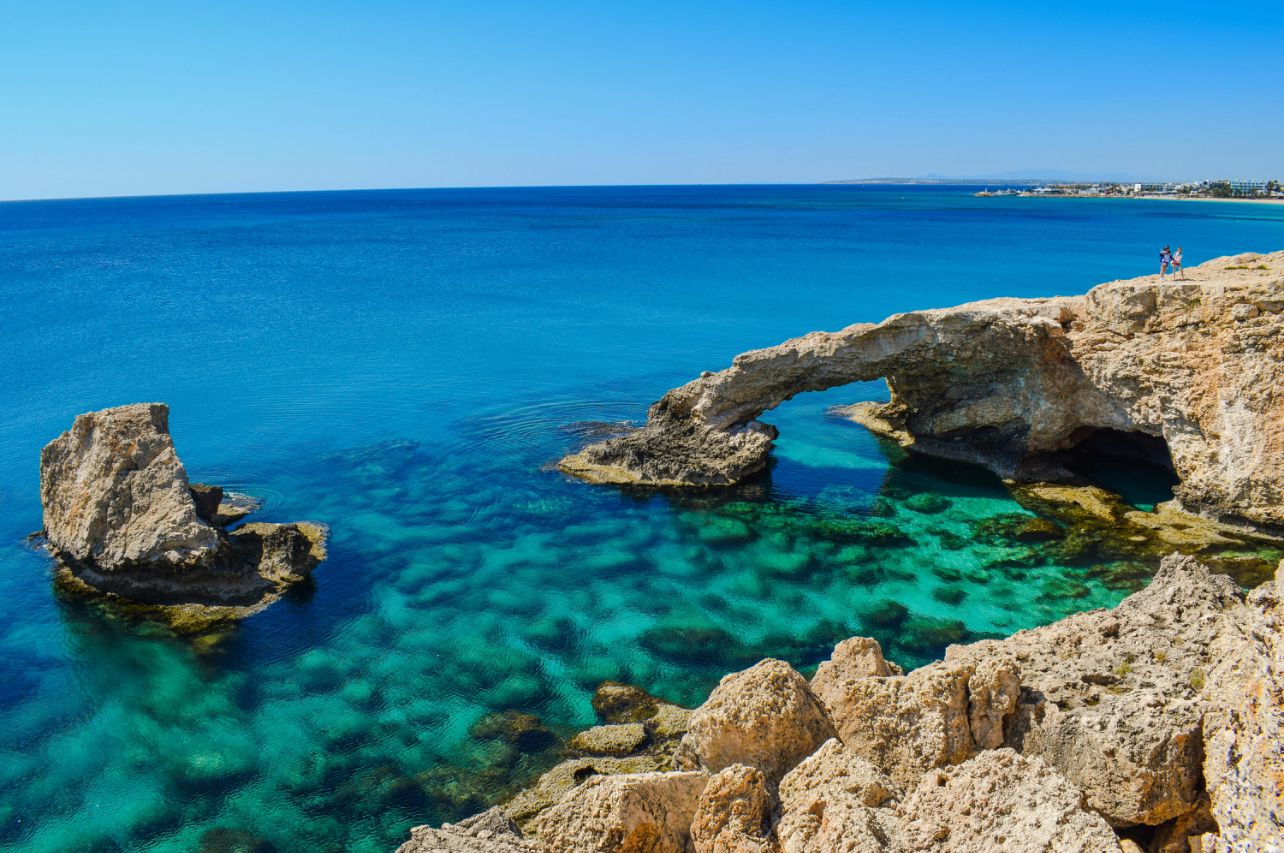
1165, 258
1177, 264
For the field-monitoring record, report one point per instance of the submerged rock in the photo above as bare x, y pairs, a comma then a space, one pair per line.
1012, 383
121, 518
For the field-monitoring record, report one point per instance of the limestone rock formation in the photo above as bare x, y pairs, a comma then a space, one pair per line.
1010, 383
616, 739
1243, 726
765, 717
1000, 801
941, 714
121, 518
734, 814
1111, 698
637, 813
833, 801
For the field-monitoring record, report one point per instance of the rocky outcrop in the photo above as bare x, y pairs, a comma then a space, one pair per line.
121, 518
1112, 699
638, 813
1000, 801
1243, 726
833, 801
734, 814
1012, 383
1153, 726
938, 715
765, 717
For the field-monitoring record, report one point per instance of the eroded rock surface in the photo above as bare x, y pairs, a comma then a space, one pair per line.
734, 814
121, 518
637, 813
764, 717
1009, 383
941, 714
1000, 801
832, 800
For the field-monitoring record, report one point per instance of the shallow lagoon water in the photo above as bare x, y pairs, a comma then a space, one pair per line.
405, 366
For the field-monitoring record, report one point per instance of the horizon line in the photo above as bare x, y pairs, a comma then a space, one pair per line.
885, 181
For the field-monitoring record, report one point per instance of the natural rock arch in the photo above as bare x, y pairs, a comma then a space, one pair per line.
1008, 383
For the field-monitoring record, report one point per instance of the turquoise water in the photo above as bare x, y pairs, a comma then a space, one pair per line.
405, 366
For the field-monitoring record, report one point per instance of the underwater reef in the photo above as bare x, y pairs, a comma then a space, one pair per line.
1190, 370
1155, 725
122, 521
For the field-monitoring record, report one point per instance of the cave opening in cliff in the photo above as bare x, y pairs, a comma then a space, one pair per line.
1134, 465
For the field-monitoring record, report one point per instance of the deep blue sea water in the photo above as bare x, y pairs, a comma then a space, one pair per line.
405, 366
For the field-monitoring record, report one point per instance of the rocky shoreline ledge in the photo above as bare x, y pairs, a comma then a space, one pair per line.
1157, 725
126, 526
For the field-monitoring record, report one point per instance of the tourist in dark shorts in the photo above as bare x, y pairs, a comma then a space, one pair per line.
1165, 258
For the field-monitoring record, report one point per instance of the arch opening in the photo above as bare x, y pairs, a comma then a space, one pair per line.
1134, 465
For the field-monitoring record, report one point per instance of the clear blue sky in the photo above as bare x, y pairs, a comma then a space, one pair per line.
123, 98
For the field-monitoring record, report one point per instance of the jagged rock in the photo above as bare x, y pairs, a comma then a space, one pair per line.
1110, 699
837, 769
1243, 726
617, 739
635, 813
765, 717
941, 714
116, 497
121, 518
488, 832
858, 657
1000, 801
1009, 383
733, 814
831, 801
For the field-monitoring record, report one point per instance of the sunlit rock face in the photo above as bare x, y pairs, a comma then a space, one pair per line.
1012, 383
121, 518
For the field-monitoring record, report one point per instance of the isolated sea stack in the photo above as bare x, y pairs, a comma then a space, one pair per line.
1188, 370
121, 519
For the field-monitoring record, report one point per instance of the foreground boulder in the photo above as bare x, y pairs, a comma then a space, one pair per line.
122, 518
636, 813
734, 814
1000, 801
1113, 699
1196, 367
764, 717
938, 715
832, 801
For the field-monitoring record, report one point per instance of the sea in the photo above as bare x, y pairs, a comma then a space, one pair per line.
407, 367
